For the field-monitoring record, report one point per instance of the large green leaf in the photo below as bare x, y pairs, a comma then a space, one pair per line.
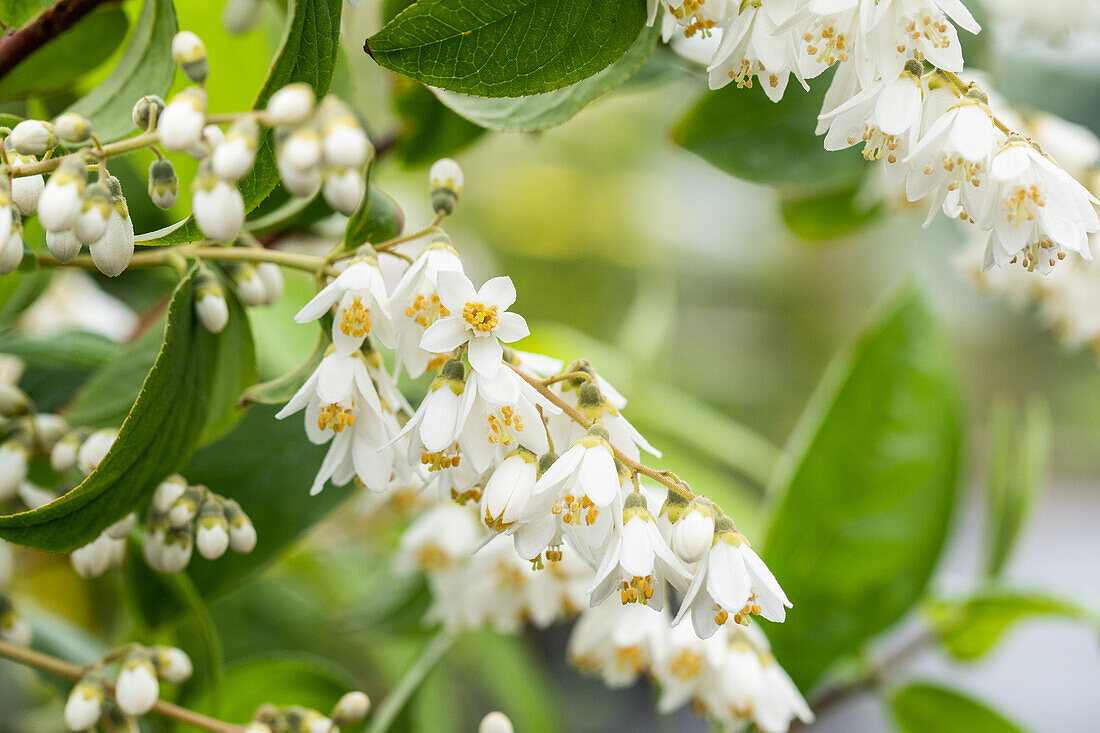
377, 219
865, 491
747, 135
14, 13
67, 57
507, 48
145, 68
267, 465
972, 627
106, 398
307, 54
923, 708
157, 437
553, 108
429, 131
73, 349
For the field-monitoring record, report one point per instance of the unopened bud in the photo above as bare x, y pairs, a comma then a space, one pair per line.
33, 137
95, 210
167, 492
343, 189
172, 664
351, 708
63, 245
210, 307
693, 532
14, 463
445, 185
495, 722
122, 527
184, 509
85, 704
72, 128
164, 186
147, 111
242, 533
64, 454
189, 52
137, 689
272, 278
978, 94
212, 533
291, 106
95, 449
250, 286
240, 16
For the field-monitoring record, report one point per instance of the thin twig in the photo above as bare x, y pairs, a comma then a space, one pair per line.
165, 255
397, 698
71, 671
17, 46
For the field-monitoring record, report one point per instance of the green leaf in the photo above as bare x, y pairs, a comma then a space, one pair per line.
824, 216
1017, 466
508, 48
429, 131
106, 398
553, 108
67, 56
18, 290
377, 219
72, 350
306, 54
972, 627
280, 390
921, 708
865, 491
145, 68
745, 134
267, 465
157, 438
14, 13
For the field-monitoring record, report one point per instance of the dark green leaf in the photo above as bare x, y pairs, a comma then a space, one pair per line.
508, 48
75, 349
377, 219
157, 438
281, 389
106, 399
307, 54
553, 108
865, 491
236, 370
747, 135
825, 216
430, 131
18, 290
14, 13
1017, 466
922, 708
145, 68
267, 465
972, 627
67, 57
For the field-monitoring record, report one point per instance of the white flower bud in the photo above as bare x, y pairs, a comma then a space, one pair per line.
344, 189
14, 629
152, 546
167, 492
495, 722
26, 190
693, 532
48, 428
175, 552
445, 185
272, 278
218, 208
61, 200
185, 508
189, 52
314, 722
137, 689
72, 128
13, 401
212, 310
300, 182
302, 149
11, 250
96, 208
292, 105
63, 245
93, 559
112, 252
240, 16
180, 124
84, 706
211, 137
242, 533
147, 111
14, 461
32, 137
64, 454
212, 536
351, 708
122, 527
234, 157
345, 144
173, 665
250, 287
34, 496
95, 449
164, 186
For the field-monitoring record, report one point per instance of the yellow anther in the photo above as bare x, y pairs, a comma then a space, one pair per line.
481, 317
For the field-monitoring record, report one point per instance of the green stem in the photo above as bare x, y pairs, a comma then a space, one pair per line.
395, 702
164, 256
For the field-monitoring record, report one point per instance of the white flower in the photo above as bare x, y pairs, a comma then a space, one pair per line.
180, 124
14, 462
693, 531
113, 251
60, 202
343, 189
1042, 213
617, 642
11, 248
441, 537
753, 45
479, 318
84, 706
173, 665
32, 137
95, 210
360, 296
26, 190
218, 208
94, 449
445, 185
299, 158
345, 144
508, 490
731, 580
292, 105
351, 708
63, 245
495, 722
687, 667
637, 562
415, 304
272, 278
136, 690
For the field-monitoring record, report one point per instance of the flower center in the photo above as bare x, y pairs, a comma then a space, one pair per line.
426, 311
355, 319
335, 416
499, 424
826, 44
1018, 205
480, 317
439, 460
686, 665
576, 511
636, 590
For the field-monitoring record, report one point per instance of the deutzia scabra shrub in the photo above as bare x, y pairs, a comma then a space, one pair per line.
503, 490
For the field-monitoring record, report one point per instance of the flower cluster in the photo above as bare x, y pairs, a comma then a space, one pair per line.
349, 710
937, 135
140, 671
